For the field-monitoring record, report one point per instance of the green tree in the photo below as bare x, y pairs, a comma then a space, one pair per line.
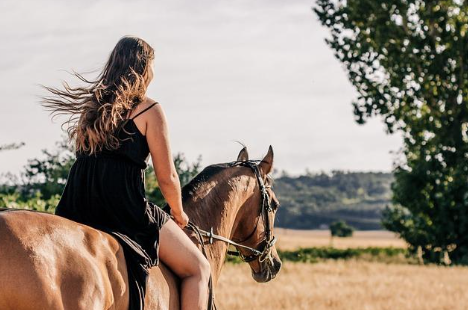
7, 180
47, 175
341, 229
185, 170
407, 59
37, 203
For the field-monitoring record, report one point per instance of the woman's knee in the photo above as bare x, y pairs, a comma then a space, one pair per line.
200, 269
180, 254
205, 268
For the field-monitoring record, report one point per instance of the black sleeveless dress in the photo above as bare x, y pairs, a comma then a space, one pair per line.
107, 191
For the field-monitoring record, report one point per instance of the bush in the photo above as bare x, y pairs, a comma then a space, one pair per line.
316, 254
36, 203
341, 229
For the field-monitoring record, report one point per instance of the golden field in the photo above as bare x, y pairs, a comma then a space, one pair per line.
290, 239
333, 285
339, 285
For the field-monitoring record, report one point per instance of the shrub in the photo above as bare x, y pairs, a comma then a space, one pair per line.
341, 229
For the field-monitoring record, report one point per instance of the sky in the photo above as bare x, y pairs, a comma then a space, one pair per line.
258, 72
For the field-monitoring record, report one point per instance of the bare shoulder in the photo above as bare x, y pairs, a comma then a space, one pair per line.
149, 102
146, 106
155, 117
155, 109
156, 128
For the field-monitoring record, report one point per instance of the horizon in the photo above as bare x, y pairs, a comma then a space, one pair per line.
276, 173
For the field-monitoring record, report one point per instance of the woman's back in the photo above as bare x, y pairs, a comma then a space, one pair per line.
106, 189
133, 146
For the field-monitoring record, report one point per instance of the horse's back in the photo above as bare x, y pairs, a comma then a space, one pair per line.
49, 262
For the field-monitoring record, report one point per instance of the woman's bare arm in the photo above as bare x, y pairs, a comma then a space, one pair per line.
157, 136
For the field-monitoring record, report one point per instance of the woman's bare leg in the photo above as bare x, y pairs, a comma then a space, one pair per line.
179, 253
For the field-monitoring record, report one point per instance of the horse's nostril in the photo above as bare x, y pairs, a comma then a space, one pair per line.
277, 264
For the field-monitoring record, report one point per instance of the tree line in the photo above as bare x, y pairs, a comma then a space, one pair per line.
310, 201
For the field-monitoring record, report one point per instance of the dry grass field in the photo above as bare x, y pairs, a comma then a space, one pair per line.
344, 285
290, 239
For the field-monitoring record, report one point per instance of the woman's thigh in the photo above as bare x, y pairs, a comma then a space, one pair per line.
178, 252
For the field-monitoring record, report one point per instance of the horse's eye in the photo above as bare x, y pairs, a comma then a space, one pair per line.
275, 205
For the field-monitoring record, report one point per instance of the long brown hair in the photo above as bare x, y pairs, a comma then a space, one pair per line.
98, 110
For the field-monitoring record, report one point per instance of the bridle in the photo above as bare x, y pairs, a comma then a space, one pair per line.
268, 240
264, 252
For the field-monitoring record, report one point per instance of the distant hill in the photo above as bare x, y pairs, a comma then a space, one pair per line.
314, 201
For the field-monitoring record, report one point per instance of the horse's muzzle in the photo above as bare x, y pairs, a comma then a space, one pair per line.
269, 270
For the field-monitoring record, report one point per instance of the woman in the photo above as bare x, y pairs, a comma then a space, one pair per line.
114, 127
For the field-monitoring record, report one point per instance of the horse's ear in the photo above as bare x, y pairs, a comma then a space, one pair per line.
243, 155
266, 165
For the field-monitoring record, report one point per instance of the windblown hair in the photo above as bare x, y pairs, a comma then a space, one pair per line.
97, 111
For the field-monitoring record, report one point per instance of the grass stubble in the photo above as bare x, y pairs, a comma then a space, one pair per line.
346, 284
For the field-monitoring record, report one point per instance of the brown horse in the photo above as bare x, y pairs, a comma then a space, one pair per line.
49, 262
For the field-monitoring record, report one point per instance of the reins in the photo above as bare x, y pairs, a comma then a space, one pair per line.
268, 241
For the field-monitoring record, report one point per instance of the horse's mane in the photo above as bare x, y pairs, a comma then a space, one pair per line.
191, 187
206, 174
209, 172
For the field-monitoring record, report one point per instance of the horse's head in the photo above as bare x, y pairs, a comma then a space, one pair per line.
254, 223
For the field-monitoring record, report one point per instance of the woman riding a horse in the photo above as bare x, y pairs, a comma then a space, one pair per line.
114, 127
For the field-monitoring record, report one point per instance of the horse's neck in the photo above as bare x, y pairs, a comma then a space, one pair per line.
215, 205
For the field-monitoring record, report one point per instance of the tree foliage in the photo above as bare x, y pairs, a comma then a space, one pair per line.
341, 229
185, 170
407, 59
37, 202
47, 175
